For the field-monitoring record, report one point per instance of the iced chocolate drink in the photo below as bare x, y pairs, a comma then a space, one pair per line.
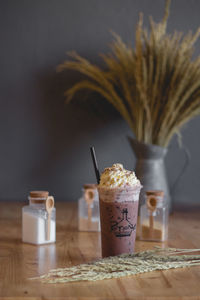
118, 195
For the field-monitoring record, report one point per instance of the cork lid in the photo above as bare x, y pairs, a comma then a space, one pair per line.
90, 186
155, 193
39, 194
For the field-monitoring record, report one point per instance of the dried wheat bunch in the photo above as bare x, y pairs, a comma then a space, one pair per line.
125, 265
154, 86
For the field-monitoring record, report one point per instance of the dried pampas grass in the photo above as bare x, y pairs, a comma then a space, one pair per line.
155, 87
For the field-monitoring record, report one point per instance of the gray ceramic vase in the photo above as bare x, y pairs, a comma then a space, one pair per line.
150, 168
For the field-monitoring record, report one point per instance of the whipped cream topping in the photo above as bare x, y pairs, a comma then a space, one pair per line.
116, 176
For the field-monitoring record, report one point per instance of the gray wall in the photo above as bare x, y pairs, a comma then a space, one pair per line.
44, 144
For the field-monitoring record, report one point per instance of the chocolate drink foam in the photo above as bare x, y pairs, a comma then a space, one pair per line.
116, 177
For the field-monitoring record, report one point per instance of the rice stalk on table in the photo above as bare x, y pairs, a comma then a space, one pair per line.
155, 86
125, 265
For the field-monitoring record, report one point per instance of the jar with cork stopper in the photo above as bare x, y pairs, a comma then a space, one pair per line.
39, 219
154, 217
88, 209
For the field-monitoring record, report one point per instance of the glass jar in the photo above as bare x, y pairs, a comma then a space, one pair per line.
38, 224
154, 217
88, 209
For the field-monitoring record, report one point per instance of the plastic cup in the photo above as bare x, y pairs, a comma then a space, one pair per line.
118, 217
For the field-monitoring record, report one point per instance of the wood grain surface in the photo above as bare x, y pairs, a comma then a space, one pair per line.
19, 261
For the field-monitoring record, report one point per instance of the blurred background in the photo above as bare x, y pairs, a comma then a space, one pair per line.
45, 142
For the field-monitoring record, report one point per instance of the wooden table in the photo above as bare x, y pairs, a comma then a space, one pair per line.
19, 261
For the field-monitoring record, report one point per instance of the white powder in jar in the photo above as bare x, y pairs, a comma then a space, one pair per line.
34, 229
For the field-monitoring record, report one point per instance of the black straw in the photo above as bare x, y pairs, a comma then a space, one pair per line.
95, 164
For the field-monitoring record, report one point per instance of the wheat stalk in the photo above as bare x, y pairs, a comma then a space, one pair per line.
124, 265
154, 86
